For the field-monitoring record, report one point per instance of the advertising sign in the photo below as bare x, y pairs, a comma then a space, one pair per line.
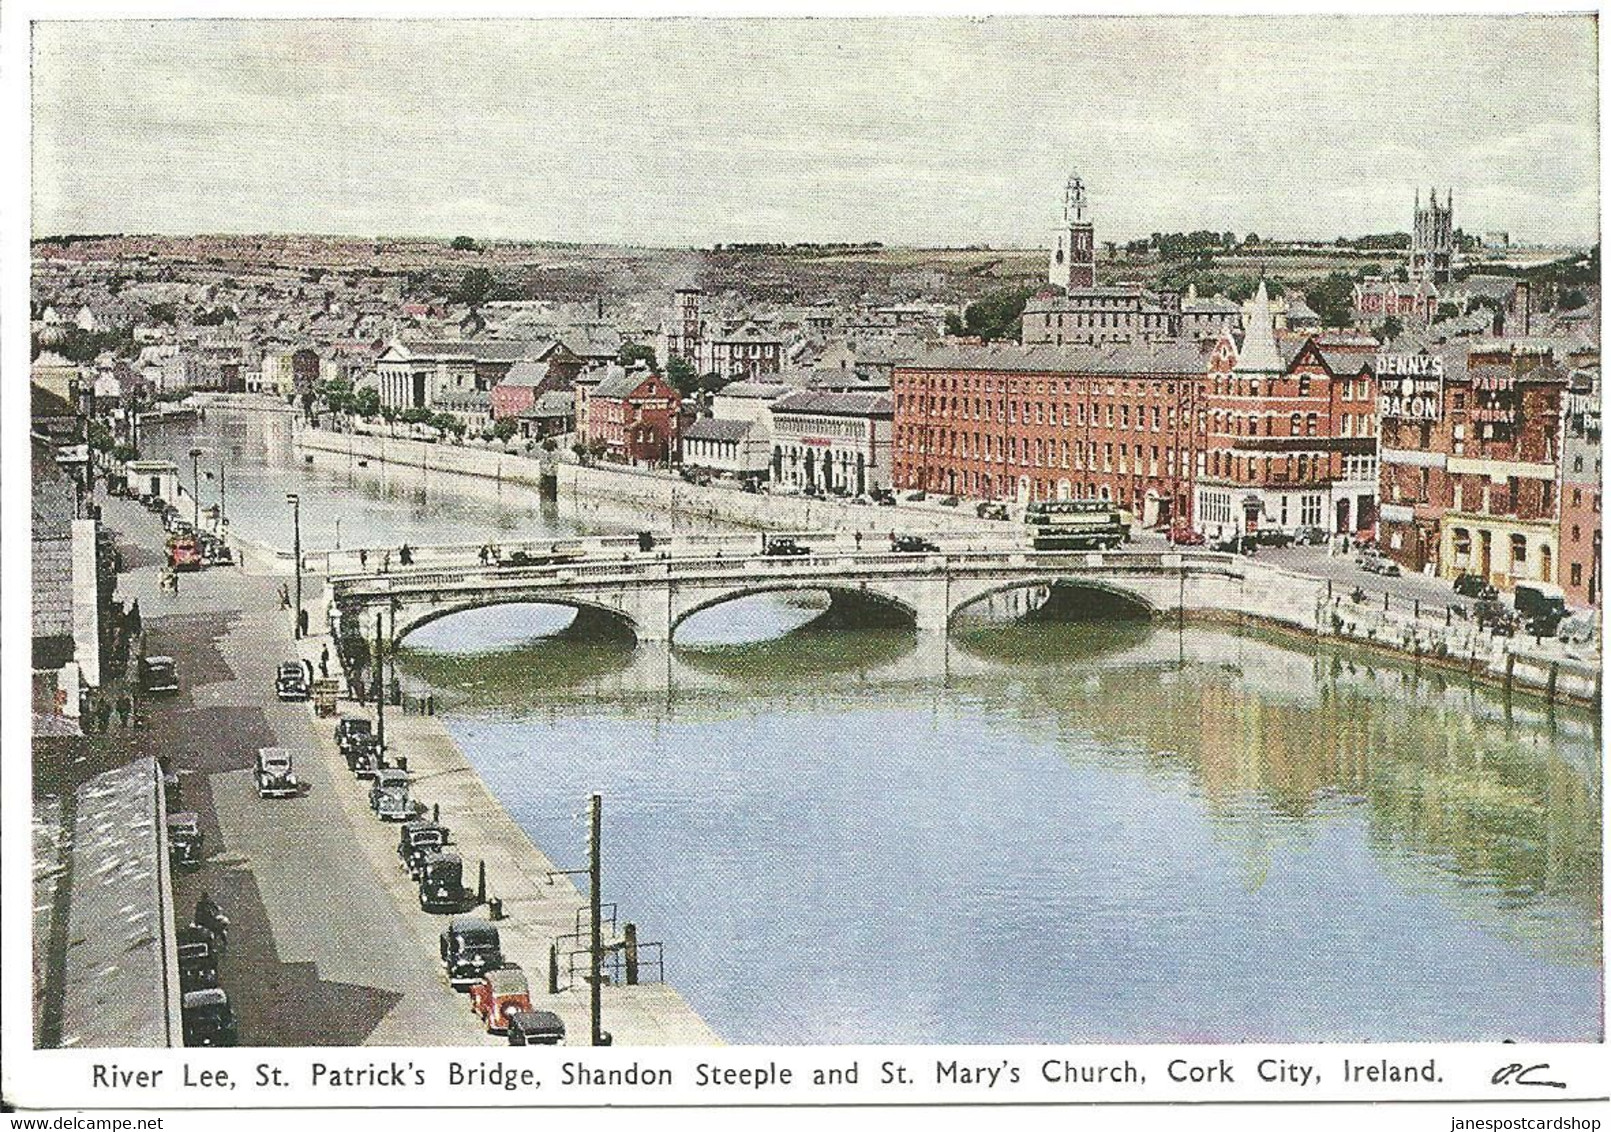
1409, 387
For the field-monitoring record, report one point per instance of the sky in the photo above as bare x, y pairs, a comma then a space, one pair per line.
937, 132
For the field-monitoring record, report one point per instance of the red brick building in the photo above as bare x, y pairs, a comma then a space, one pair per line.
549, 368
1052, 422
1580, 490
1289, 433
1471, 462
633, 415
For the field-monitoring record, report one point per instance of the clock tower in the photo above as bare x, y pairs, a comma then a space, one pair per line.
1073, 259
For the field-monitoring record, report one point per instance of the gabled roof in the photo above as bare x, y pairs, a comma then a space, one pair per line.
717, 428
622, 384
836, 404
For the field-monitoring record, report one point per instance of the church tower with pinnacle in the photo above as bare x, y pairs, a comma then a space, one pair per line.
1073, 259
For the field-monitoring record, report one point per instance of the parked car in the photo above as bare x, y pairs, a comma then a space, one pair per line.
1182, 535
784, 547
912, 544
441, 882
470, 949
208, 1019
275, 775
1310, 536
291, 681
1273, 537
1541, 606
950, 501
1476, 586
497, 993
534, 1028
417, 837
388, 795
158, 676
1578, 629
1492, 615
991, 511
917, 496
350, 729
198, 959
184, 840
365, 756
1375, 562
884, 497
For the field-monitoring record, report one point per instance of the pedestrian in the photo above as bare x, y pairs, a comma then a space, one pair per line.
483, 554
363, 559
386, 562
858, 540
285, 596
133, 620
324, 657
308, 664
405, 556
124, 707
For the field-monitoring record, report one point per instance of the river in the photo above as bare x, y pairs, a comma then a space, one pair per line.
1042, 830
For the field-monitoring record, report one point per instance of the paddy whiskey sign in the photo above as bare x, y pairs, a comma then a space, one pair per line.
1409, 387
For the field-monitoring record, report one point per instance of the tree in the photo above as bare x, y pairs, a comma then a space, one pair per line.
337, 394
1573, 299
1332, 298
366, 402
682, 375
162, 312
463, 244
505, 428
474, 287
999, 314
417, 414
1251, 240
447, 422
634, 352
1389, 329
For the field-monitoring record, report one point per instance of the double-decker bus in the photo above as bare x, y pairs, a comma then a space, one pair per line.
1076, 524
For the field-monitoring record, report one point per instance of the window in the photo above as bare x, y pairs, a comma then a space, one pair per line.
1303, 391
1311, 424
1577, 573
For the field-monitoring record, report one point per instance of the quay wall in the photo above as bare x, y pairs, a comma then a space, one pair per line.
651, 491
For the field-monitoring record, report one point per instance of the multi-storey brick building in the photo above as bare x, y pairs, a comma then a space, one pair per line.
1048, 422
1580, 490
1470, 461
632, 415
1289, 434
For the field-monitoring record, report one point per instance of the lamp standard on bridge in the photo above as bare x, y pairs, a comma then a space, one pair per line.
296, 551
195, 487
222, 520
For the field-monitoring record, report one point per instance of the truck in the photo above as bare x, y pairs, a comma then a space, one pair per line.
1541, 607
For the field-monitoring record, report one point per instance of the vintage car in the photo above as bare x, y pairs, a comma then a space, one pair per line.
911, 544
497, 993
533, 1028
291, 681
198, 959
1182, 535
783, 547
364, 756
215, 551
416, 837
470, 949
208, 1019
388, 795
1541, 606
349, 729
441, 880
158, 676
184, 840
1310, 536
275, 776
997, 511
1375, 562
1475, 586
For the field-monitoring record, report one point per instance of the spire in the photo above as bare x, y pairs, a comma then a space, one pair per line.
1258, 353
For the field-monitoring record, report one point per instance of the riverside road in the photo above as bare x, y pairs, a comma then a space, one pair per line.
325, 944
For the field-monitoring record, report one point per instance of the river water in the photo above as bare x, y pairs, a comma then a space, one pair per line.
1039, 831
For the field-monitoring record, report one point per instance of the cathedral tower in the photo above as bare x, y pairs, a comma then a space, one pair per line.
1432, 239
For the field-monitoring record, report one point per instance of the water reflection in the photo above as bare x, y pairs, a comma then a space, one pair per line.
1084, 832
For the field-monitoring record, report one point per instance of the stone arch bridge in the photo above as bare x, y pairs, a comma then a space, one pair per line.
651, 595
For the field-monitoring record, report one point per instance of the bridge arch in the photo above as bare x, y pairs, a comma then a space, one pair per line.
413, 616
861, 592
1128, 597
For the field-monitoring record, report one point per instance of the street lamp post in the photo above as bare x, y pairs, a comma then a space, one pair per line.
195, 485
296, 550
222, 520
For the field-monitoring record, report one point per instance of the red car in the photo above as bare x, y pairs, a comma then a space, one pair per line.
497, 995
1185, 536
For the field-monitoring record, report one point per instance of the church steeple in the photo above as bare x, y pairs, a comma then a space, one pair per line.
1259, 353
1073, 259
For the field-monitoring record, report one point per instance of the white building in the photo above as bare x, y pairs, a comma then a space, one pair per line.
837, 443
